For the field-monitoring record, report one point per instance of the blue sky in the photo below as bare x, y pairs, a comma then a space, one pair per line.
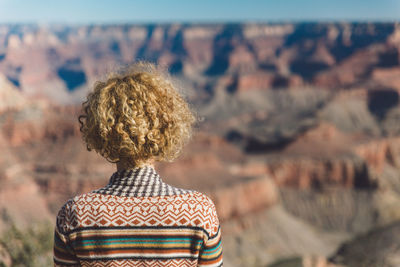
144, 11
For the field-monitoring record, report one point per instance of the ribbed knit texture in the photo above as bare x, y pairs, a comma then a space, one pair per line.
138, 220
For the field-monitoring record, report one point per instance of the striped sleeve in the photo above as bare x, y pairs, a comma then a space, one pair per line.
63, 253
211, 251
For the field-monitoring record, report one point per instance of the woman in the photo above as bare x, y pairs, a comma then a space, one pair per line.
134, 119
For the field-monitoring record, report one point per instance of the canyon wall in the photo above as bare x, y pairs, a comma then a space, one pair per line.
297, 144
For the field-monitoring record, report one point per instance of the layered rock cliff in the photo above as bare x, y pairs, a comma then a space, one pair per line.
298, 143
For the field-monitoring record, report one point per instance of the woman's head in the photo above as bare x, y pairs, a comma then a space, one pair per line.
135, 117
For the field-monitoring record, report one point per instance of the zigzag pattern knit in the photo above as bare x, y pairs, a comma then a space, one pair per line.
138, 220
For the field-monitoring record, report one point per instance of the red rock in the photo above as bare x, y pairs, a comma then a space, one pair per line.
22, 200
389, 77
242, 60
10, 96
377, 153
244, 197
256, 81
324, 157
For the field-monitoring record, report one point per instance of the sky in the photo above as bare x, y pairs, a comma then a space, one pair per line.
158, 11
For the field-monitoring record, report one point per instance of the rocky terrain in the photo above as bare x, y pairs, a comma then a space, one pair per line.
298, 140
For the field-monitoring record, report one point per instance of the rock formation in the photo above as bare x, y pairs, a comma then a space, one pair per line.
298, 141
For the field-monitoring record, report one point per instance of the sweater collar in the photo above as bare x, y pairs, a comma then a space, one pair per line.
138, 182
135, 177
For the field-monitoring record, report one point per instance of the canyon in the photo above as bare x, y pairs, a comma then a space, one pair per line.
298, 139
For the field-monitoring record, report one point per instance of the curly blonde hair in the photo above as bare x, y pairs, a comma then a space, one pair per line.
136, 116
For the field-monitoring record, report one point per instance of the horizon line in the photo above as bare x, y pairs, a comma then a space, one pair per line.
201, 22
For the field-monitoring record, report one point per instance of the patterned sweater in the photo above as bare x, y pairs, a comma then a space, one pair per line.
138, 220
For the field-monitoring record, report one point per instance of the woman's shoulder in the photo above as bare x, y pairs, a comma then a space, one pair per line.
202, 198
186, 196
206, 210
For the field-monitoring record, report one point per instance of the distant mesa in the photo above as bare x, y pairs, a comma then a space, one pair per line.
259, 56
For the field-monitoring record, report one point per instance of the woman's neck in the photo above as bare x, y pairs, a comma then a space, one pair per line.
124, 166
